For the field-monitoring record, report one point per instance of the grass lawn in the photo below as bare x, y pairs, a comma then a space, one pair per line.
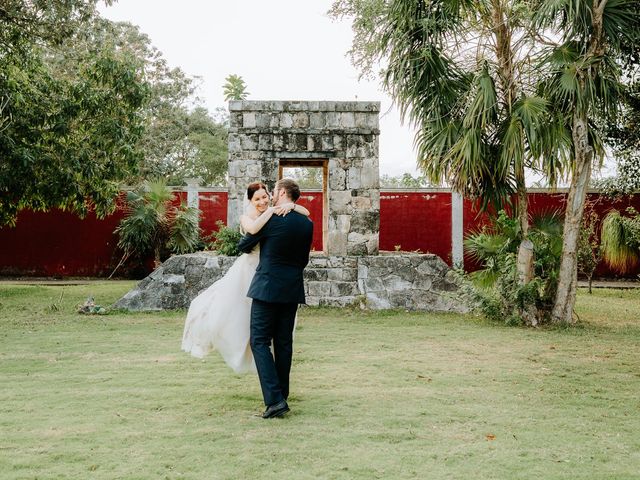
389, 395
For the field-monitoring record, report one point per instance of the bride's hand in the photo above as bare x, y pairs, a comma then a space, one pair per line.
282, 210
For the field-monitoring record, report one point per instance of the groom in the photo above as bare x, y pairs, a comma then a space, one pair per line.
277, 289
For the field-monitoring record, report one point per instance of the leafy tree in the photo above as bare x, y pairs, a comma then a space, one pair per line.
235, 88
307, 177
67, 142
627, 179
181, 139
591, 40
624, 137
25, 24
201, 153
69, 135
154, 224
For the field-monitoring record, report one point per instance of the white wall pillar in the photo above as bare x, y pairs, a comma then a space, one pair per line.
457, 230
193, 197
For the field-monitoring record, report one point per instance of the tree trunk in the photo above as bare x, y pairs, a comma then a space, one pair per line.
156, 257
525, 258
525, 262
583, 154
506, 72
568, 275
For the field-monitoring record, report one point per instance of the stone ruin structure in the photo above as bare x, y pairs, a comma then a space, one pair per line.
342, 139
339, 137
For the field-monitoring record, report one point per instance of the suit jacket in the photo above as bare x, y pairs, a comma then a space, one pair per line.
285, 243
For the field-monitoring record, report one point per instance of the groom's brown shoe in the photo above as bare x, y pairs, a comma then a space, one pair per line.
276, 410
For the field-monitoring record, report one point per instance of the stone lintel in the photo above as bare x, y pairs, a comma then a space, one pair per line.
299, 106
306, 131
305, 155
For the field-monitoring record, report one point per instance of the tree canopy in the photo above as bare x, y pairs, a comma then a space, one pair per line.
87, 105
68, 135
181, 138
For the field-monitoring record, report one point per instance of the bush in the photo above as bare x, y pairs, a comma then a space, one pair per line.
621, 239
496, 290
153, 224
225, 240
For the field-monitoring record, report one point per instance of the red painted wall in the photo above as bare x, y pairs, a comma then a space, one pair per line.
313, 202
416, 221
60, 244
214, 208
543, 201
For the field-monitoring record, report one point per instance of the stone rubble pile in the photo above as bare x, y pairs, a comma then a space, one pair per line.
407, 281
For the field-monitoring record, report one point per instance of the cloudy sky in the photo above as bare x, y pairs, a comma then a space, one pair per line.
284, 50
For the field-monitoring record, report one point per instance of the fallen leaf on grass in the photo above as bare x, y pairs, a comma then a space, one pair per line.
490, 436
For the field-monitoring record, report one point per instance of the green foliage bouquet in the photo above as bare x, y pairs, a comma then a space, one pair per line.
225, 240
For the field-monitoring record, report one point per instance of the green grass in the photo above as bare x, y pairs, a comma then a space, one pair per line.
381, 395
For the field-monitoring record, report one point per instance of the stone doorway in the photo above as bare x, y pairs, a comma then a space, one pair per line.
323, 167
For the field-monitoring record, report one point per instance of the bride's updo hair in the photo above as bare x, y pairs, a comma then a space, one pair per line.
252, 188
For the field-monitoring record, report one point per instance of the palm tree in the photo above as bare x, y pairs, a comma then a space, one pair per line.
235, 88
586, 42
153, 224
461, 71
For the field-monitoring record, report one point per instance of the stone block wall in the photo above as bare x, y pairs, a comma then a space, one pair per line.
345, 134
407, 281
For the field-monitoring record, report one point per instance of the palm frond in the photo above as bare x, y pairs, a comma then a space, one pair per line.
621, 22
482, 109
185, 233
548, 222
617, 243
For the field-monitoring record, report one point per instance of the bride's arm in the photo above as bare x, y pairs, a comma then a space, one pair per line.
253, 226
287, 207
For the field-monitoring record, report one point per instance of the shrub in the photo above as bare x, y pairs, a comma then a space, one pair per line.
153, 224
225, 240
496, 290
621, 239
589, 250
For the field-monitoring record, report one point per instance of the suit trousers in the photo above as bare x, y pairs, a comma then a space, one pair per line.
273, 322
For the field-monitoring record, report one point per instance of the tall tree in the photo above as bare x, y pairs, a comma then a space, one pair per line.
588, 43
23, 24
202, 152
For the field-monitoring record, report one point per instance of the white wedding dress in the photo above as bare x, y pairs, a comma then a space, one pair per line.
220, 316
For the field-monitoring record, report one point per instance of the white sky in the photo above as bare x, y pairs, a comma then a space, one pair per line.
283, 49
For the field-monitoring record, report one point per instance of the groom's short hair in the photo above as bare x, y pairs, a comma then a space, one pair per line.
290, 186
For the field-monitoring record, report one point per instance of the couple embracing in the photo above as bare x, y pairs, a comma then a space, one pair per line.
249, 314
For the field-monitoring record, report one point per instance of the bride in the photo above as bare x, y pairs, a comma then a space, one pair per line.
219, 317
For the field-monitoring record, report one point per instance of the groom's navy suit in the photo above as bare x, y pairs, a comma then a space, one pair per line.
277, 289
